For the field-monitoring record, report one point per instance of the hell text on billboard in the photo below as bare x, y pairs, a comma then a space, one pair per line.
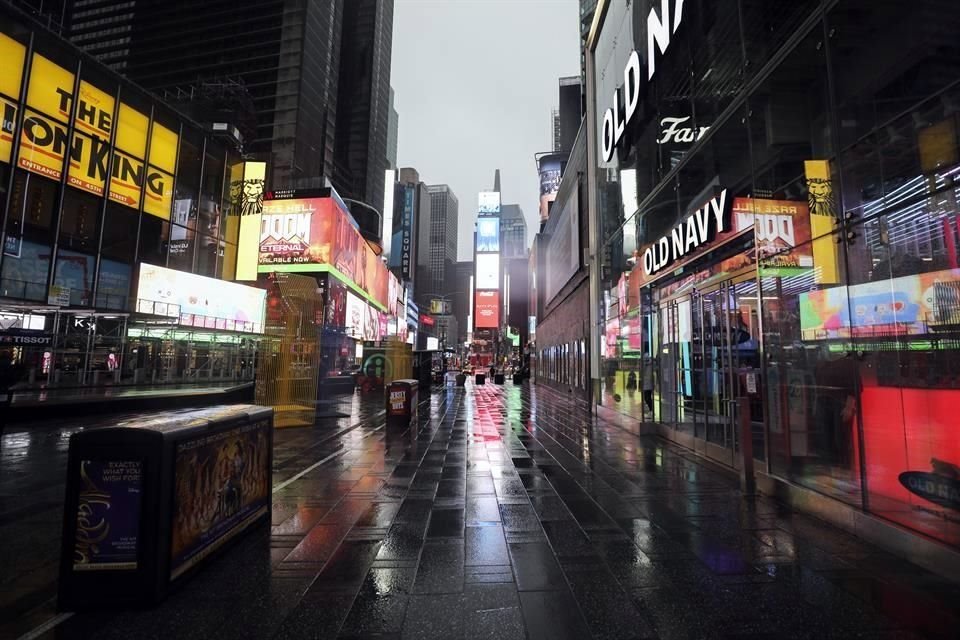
487, 310
300, 234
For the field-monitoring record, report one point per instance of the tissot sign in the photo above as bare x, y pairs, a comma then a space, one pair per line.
660, 29
699, 228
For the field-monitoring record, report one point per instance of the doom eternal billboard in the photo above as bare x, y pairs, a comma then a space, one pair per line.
318, 234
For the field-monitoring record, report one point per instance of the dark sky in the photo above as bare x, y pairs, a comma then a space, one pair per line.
475, 83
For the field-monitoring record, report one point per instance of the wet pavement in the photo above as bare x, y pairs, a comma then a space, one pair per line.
508, 512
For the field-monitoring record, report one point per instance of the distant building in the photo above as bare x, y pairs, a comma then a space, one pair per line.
568, 116
463, 272
513, 232
440, 257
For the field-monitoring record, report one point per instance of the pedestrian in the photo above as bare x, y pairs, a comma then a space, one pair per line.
11, 372
647, 382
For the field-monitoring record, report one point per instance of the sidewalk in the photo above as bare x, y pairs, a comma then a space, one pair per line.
508, 513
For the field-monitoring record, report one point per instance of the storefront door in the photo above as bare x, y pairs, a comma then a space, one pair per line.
710, 349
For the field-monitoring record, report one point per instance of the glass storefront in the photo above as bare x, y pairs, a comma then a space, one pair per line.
780, 224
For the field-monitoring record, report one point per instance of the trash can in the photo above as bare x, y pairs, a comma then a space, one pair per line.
402, 403
499, 378
461, 380
481, 378
152, 498
518, 378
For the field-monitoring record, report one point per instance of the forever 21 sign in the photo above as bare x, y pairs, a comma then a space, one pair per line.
659, 31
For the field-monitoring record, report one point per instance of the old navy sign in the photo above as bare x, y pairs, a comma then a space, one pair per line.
659, 31
699, 228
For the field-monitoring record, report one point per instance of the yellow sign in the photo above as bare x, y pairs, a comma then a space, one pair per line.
159, 193
126, 179
94, 111
50, 89
163, 148
12, 53
88, 163
8, 113
43, 145
823, 215
245, 209
132, 131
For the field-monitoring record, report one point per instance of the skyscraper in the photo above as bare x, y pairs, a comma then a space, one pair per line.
440, 258
314, 72
513, 232
393, 132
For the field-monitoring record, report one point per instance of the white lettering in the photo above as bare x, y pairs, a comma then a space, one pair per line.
671, 130
677, 236
658, 32
631, 84
719, 206
691, 235
617, 119
607, 136
687, 236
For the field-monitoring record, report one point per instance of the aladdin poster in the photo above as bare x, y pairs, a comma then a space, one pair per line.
221, 485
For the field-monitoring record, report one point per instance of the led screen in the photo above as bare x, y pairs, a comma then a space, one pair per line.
301, 233
489, 202
488, 271
488, 235
356, 316
908, 305
487, 310
198, 300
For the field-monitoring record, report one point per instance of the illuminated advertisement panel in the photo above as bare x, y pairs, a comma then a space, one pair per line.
301, 234
551, 171
488, 271
45, 146
489, 202
909, 305
488, 235
200, 301
487, 310
356, 321
780, 226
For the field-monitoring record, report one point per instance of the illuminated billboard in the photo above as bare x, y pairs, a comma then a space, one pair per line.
47, 149
488, 271
489, 202
488, 235
198, 301
909, 305
317, 234
487, 310
551, 171
356, 321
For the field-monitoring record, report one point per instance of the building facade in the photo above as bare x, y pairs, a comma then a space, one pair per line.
306, 80
560, 297
119, 227
773, 199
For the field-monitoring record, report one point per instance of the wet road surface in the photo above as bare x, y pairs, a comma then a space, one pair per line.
506, 513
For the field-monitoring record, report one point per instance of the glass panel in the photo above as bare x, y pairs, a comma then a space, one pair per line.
119, 233
26, 263
75, 272
79, 230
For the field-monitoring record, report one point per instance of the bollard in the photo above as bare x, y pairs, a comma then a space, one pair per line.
748, 482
